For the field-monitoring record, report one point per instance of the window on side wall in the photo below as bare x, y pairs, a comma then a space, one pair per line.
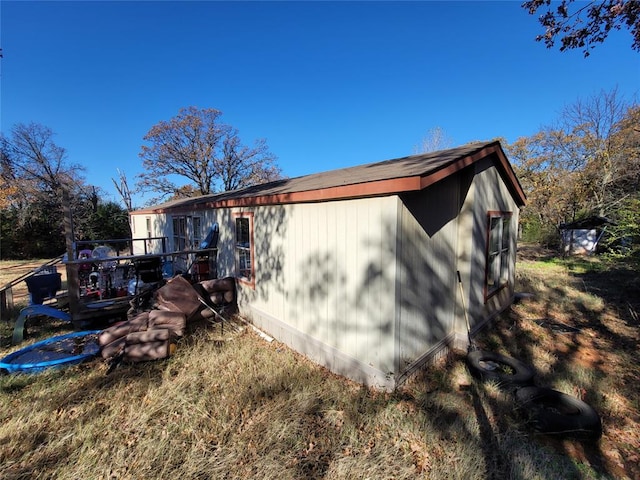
197, 233
244, 247
179, 233
147, 221
498, 254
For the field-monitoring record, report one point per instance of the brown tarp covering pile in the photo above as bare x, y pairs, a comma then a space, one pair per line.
153, 334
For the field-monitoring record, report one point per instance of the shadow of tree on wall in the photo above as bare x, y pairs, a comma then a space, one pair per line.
395, 291
427, 260
271, 223
492, 196
326, 293
495, 450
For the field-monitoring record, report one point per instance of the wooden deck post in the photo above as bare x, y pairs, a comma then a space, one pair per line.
6, 301
73, 283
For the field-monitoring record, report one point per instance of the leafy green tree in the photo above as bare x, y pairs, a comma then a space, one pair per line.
110, 221
624, 236
585, 24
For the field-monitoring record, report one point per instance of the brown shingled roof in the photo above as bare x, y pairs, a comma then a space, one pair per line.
410, 173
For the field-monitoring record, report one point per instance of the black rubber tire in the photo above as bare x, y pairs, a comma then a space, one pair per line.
480, 364
556, 413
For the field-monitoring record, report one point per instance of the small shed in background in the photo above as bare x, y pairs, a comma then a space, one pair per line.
582, 236
357, 268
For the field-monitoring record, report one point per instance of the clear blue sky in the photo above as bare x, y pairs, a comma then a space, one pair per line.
328, 84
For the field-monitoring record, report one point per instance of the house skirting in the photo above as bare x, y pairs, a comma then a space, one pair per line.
341, 363
326, 355
350, 367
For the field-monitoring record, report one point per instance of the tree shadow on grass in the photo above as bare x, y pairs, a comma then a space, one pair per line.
325, 428
595, 359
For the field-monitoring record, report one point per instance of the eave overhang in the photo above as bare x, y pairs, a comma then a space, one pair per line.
375, 188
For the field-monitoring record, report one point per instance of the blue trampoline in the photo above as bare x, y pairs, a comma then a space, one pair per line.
63, 350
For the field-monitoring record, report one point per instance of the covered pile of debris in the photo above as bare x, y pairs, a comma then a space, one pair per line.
152, 334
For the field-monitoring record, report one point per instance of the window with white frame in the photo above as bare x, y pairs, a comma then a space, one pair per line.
498, 250
196, 225
179, 233
187, 233
147, 223
244, 246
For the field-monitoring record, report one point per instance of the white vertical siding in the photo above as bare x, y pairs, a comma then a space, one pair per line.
158, 229
489, 193
427, 269
367, 286
139, 230
469, 241
336, 275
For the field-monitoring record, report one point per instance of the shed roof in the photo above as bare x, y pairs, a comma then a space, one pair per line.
405, 174
594, 221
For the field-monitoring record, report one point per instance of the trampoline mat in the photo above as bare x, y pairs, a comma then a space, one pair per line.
73, 347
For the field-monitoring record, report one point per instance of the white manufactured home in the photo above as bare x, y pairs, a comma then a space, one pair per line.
357, 268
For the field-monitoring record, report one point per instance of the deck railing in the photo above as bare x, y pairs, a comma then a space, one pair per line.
6, 291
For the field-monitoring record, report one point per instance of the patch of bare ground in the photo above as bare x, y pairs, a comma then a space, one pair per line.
580, 331
12, 270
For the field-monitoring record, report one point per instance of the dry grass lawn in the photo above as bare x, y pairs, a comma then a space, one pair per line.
10, 270
240, 407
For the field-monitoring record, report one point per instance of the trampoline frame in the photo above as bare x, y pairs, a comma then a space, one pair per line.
6, 365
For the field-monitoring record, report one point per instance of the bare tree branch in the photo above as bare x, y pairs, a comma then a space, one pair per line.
435, 139
195, 145
34, 157
122, 187
587, 25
